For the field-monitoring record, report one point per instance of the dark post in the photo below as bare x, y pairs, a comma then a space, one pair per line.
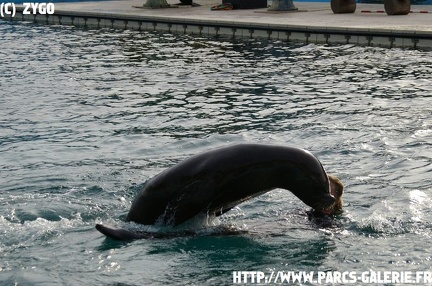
343, 6
397, 7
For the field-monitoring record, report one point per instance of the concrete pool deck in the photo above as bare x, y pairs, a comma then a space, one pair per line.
313, 23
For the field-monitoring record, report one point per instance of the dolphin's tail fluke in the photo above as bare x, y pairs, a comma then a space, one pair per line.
119, 233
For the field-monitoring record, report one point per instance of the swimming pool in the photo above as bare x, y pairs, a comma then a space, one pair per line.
87, 116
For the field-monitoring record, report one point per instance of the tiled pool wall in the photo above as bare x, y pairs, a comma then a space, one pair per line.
366, 37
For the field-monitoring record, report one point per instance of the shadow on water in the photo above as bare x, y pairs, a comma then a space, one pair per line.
109, 244
222, 248
213, 258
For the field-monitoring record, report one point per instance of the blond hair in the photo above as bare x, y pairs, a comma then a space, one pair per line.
336, 189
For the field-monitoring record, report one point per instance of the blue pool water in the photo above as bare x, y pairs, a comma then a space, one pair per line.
87, 116
413, 2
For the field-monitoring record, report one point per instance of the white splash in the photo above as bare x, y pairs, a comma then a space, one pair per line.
419, 203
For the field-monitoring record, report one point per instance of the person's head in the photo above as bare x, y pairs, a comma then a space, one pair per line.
336, 189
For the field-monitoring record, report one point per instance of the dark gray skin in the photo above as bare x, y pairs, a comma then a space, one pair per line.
216, 181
